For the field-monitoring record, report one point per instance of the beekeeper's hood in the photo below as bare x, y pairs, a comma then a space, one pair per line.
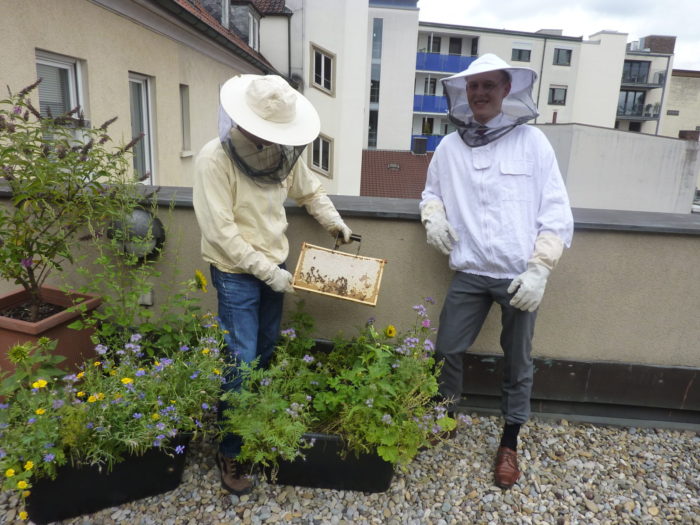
518, 107
267, 107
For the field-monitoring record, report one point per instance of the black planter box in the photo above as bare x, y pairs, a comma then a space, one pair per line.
87, 489
324, 467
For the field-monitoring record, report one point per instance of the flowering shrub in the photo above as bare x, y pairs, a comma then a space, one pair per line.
125, 402
62, 174
378, 391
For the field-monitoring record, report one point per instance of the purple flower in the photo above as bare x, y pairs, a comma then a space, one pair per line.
58, 403
17, 110
425, 323
290, 333
3, 406
48, 458
101, 349
369, 402
27, 262
308, 358
205, 406
194, 374
2, 453
137, 415
135, 338
184, 348
31, 420
421, 310
265, 381
90, 425
386, 419
140, 372
180, 449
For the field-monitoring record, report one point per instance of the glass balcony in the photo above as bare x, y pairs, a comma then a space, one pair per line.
431, 143
442, 63
429, 104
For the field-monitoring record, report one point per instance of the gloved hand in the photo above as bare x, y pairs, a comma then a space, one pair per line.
441, 235
280, 281
530, 287
341, 229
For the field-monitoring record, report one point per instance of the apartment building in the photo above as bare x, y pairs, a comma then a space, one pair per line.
578, 80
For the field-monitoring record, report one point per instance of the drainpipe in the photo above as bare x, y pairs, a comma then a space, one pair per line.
539, 84
289, 47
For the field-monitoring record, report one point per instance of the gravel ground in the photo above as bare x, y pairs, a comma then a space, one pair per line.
572, 474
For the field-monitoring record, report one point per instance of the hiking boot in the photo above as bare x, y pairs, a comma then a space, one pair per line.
235, 476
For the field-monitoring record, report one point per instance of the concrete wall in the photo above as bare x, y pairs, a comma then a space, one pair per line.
684, 98
609, 169
398, 64
619, 296
109, 41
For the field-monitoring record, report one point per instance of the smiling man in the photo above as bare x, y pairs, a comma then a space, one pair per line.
495, 202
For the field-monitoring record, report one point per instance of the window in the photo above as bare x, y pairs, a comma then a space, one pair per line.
427, 128
630, 103
59, 89
321, 155
219, 9
520, 55
323, 71
557, 96
253, 31
372, 129
185, 120
673, 112
430, 86
634, 71
562, 57
140, 101
455, 46
433, 44
377, 29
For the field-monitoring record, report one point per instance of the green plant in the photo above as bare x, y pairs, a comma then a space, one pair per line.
125, 402
62, 174
377, 390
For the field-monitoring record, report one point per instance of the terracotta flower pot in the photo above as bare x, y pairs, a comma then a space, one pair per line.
75, 345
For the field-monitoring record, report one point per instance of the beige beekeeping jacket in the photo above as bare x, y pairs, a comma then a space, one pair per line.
243, 222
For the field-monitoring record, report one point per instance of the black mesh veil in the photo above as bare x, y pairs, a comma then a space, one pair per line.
267, 164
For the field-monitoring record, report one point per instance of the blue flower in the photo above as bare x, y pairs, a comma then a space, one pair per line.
180, 449
137, 415
48, 458
101, 349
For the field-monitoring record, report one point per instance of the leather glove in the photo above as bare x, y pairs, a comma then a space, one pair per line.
441, 235
530, 287
341, 229
280, 281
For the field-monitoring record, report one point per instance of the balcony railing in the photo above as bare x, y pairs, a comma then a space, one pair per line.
442, 63
429, 104
432, 141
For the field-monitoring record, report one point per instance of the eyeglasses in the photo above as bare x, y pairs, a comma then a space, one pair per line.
486, 86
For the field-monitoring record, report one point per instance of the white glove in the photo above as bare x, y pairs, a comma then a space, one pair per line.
441, 235
341, 229
280, 281
530, 287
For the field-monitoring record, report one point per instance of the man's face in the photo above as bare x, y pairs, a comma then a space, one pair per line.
485, 94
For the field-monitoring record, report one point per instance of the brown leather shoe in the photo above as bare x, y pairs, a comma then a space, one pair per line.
235, 477
506, 470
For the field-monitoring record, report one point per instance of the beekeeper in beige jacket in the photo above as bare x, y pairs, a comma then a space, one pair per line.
242, 179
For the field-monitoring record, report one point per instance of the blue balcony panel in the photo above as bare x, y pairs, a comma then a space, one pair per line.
432, 142
429, 104
442, 63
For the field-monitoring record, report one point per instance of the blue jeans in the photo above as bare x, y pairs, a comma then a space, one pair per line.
251, 312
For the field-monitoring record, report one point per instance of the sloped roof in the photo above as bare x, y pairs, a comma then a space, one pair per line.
272, 7
392, 173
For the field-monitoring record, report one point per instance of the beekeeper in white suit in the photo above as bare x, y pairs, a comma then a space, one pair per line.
242, 179
495, 202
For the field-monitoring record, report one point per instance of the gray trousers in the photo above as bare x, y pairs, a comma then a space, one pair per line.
468, 301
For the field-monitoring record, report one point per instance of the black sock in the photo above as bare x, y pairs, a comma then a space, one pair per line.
510, 435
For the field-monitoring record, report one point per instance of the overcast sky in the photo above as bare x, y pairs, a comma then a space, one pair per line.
637, 18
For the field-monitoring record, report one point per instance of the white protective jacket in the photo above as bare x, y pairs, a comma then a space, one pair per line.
243, 223
503, 200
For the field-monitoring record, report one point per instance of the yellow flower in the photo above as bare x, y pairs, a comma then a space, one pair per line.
80, 394
23, 515
126, 380
92, 399
205, 351
80, 375
100, 396
39, 411
217, 371
29, 465
200, 280
26, 493
39, 383
22, 485
226, 331
113, 372
97, 363
155, 417
9, 472
390, 331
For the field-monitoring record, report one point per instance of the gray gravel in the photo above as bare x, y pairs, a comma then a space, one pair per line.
572, 474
